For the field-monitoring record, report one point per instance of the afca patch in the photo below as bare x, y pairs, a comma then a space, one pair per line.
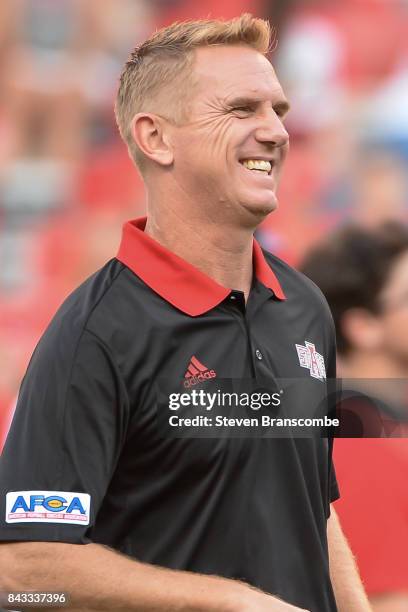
48, 507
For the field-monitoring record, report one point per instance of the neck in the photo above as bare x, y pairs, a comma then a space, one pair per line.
224, 254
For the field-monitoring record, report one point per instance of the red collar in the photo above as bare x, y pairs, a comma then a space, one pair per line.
176, 280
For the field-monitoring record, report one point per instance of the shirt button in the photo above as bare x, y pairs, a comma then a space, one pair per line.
258, 354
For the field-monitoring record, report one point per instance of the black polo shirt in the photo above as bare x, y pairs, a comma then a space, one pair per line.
84, 460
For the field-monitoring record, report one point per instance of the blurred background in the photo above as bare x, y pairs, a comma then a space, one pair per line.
67, 184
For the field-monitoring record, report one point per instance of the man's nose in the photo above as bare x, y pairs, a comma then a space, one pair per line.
271, 130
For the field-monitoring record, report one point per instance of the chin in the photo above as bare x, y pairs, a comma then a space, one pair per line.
261, 207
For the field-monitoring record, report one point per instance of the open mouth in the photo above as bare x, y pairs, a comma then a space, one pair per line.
263, 166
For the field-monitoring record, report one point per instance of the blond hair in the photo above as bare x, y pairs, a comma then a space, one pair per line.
164, 62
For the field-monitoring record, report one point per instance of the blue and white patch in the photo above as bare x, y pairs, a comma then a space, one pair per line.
48, 507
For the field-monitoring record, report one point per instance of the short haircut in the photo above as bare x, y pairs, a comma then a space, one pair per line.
353, 266
157, 77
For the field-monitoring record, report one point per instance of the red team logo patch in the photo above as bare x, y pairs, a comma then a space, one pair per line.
312, 360
197, 373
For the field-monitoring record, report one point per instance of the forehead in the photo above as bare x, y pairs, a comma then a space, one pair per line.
228, 70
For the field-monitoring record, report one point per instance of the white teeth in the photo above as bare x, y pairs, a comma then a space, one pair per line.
257, 164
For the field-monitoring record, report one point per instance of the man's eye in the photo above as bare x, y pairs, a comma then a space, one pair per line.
242, 109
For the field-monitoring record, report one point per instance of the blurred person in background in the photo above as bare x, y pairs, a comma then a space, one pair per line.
211, 167
379, 187
364, 275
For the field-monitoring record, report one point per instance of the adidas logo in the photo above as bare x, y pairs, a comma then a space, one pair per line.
197, 372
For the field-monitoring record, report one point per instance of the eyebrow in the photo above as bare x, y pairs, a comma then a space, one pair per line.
282, 105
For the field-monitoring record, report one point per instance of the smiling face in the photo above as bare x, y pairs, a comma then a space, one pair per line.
228, 154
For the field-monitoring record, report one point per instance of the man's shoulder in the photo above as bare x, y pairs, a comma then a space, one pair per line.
85, 299
76, 312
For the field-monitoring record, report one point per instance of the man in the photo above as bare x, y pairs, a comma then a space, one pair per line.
364, 276
190, 297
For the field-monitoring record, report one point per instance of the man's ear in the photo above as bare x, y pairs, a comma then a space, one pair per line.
150, 133
362, 329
